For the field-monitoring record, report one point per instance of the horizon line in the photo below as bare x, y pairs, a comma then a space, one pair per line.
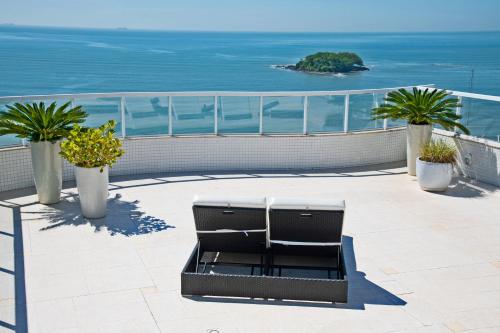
9, 24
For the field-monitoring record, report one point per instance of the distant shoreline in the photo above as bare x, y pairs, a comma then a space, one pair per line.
248, 31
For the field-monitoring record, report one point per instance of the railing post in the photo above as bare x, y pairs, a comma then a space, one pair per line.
221, 107
261, 114
305, 115
346, 113
170, 124
458, 111
385, 120
122, 111
216, 106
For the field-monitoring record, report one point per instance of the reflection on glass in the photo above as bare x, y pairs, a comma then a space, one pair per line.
101, 110
8, 140
238, 115
146, 115
283, 114
482, 118
396, 122
325, 114
193, 115
360, 112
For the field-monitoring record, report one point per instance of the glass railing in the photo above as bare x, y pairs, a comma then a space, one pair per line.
481, 117
146, 116
325, 114
100, 110
238, 114
253, 113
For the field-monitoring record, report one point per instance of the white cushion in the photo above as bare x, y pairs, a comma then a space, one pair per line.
230, 201
306, 204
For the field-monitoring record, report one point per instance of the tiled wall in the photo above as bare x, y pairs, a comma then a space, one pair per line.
183, 154
15, 168
478, 158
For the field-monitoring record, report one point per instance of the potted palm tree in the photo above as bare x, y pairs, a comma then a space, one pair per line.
44, 127
93, 151
421, 108
435, 165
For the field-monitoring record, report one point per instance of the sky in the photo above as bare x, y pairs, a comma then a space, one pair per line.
258, 15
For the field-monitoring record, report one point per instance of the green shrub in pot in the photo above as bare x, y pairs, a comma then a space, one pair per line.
435, 165
93, 151
92, 147
438, 151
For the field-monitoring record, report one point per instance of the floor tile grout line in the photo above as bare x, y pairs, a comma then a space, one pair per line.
149, 309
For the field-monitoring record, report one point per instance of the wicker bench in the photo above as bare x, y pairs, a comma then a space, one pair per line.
296, 245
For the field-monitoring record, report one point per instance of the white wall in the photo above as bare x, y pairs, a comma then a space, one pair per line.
477, 158
230, 153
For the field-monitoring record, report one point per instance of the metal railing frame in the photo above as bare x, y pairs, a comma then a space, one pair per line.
122, 96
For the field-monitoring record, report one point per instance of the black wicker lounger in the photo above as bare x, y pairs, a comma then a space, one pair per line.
231, 231
303, 241
310, 230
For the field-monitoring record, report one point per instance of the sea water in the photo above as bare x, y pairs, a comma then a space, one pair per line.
55, 60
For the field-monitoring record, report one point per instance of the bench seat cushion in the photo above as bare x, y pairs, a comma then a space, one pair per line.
230, 201
289, 203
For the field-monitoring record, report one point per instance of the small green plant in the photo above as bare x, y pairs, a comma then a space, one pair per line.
92, 147
36, 122
438, 151
422, 107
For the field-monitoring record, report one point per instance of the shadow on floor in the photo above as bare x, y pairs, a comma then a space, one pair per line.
151, 179
361, 290
10, 218
469, 188
176, 177
124, 218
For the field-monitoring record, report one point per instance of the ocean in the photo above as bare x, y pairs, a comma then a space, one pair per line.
37, 60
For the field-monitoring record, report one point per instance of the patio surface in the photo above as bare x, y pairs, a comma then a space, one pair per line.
417, 261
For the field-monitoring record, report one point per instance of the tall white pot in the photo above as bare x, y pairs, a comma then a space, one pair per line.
47, 170
92, 187
416, 137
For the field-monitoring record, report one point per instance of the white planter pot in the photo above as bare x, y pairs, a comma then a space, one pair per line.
434, 176
416, 137
47, 170
93, 191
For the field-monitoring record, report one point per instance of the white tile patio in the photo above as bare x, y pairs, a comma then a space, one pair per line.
418, 261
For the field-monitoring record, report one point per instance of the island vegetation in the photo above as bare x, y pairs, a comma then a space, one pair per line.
329, 62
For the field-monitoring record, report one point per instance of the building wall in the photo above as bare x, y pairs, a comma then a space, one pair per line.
229, 153
477, 158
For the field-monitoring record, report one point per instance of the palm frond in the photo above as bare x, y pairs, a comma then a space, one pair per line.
38, 122
421, 107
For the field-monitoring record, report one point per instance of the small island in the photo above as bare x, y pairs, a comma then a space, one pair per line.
328, 62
